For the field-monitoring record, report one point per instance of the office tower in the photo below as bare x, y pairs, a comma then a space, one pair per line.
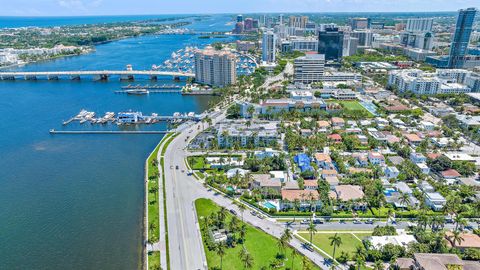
269, 42
238, 28
216, 68
239, 18
461, 37
350, 45
255, 24
419, 40
365, 37
280, 19
419, 24
309, 68
298, 21
360, 23
330, 43
248, 24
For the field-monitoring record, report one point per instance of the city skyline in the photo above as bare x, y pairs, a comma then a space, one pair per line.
144, 7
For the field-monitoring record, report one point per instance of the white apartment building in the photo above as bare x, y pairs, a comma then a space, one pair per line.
269, 43
424, 83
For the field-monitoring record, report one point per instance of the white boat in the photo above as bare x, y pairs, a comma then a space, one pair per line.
137, 92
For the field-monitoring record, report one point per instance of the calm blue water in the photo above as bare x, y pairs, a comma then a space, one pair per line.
76, 201
12, 22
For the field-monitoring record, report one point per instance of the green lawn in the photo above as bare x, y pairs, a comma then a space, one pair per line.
197, 162
351, 105
260, 245
154, 260
349, 242
153, 210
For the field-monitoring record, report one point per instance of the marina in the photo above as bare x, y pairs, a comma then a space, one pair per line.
131, 118
53, 131
155, 86
182, 61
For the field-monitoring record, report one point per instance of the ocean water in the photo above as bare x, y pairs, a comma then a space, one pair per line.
76, 201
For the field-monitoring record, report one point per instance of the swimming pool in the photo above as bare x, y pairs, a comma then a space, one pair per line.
388, 191
269, 205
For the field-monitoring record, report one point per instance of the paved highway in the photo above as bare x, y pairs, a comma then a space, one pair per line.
185, 244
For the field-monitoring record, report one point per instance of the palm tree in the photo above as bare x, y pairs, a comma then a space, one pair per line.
459, 220
306, 263
247, 261
294, 254
243, 232
242, 208
312, 230
287, 234
404, 199
378, 265
221, 215
335, 241
151, 228
154, 190
221, 252
360, 261
233, 225
282, 244
456, 237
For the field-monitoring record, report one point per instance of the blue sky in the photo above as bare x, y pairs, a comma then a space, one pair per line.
123, 7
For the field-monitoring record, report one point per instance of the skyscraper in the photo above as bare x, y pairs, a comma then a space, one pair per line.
239, 18
216, 68
330, 43
298, 21
360, 23
268, 46
461, 37
419, 24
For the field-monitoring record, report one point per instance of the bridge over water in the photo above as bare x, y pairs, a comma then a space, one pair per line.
97, 75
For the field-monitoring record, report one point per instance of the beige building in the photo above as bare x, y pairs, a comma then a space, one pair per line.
215, 67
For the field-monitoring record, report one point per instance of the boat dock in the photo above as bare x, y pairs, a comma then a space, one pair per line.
132, 118
147, 92
155, 86
53, 131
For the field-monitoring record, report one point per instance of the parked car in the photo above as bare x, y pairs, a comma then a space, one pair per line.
357, 221
253, 213
233, 212
176, 167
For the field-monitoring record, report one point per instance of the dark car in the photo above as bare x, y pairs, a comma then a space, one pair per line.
317, 221
176, 167
369, 221
233, 212
308, 247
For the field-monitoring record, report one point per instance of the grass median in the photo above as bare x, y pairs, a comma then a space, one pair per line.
262, 247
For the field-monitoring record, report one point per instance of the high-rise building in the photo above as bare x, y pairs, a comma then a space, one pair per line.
461, 37
350, 46
298, 21
419, 24
215, 67
239, 18
309, 68
365, 37
360, 23
419, 40
269, 42
248, 24
330, 43
238, 28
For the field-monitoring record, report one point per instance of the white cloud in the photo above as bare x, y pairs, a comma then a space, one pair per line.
79, 5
